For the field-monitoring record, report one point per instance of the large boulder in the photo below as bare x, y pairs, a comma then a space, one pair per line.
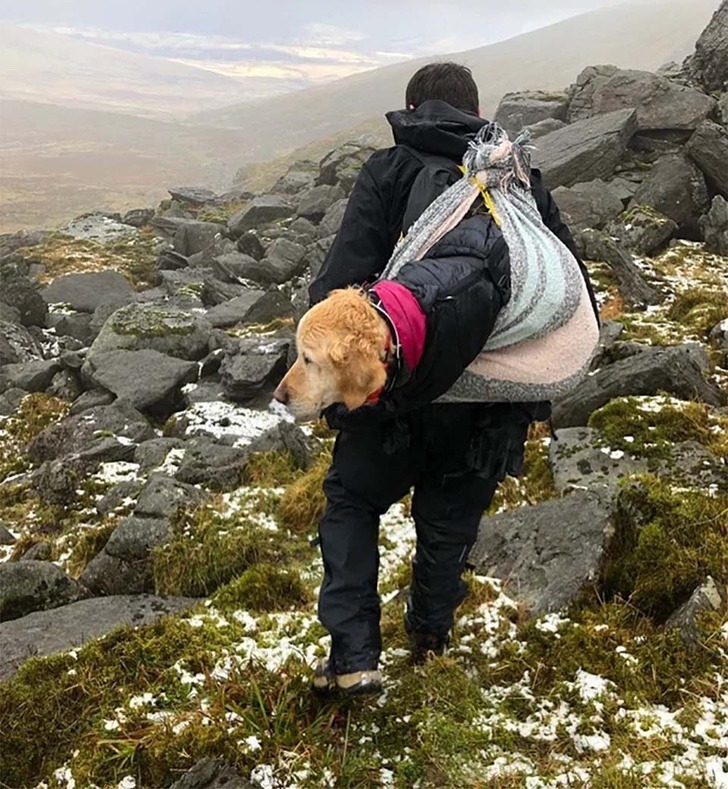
149, 380
194, 236
19, 291
99, 227
241, 309
582, 91
708, 148
676, 188
525, 108
213, 465
29, 586
590, 204
283, 260
709, 65
255, 367
342, 165
168, 330
17, 344
86, 292
314, 203
680, 370
260, 211
585, 150
73, 625
661, 104
714, 226
642, 230
35, 376
195, 195
301, 175
549, 552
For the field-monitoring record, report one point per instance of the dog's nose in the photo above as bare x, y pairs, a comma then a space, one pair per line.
281, 394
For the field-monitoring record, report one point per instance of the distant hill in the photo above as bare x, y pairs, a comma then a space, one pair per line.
57, 161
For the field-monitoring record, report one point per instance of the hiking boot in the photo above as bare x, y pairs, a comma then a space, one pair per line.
358, 683
425, 645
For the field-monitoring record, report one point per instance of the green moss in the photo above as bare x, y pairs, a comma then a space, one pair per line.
699, 309
304, 501
151, 322
88, 544
271, 469
264, 587
666, 544
535, 485
206, 551
656, 430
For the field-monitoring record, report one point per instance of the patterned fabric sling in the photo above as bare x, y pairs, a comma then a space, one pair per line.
545, 336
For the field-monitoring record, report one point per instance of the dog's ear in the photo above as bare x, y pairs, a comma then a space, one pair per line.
358, 379
339, 352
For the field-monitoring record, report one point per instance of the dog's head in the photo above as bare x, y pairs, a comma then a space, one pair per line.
341, 343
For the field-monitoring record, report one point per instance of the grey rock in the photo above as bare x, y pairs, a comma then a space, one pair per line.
585, 150
518, 110
195, 195
342, 165
301, 175
260, 211
81, 432
678, 370
623, 187
87, 401
28, 586
65, 384
235, 266
194, 236
9, 314
215, 292
17, 344
6, 538
20, 291
149, 380
205, 258
549, 552
544, 127
163, 496
588, 81
10, 401
709, 596
152, 453
212, 465
74, 324
690, 464
169, 260
167, 330
723, 110
245, 375
236, 310
590, 204
212, 774
719, 335
676, 188
634, 288
331, 223
660, 103
642, 230
118, 498
314, 203
75, 624
303, 231
35, 376
288, 436
250, 244
98, 226
714, 226
282, 261
709, 65
273, 305
38, 552
580, 461
708, 148
86, 292
138, 217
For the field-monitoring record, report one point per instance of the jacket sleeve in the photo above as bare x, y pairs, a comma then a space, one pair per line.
363, 244
552, 219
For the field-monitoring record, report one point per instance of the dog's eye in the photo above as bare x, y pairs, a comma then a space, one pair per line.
306, 359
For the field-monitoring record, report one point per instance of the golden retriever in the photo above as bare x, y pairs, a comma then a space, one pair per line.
342, 347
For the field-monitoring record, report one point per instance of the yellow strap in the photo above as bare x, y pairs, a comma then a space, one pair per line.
488, 200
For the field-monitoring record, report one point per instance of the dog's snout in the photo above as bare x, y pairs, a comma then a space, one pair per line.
282, 394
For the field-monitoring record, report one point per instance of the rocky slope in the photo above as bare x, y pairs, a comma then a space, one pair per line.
156, 510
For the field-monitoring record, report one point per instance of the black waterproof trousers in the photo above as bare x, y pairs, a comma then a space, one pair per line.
454, 455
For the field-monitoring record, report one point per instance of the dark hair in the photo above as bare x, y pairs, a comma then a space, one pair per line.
448, 82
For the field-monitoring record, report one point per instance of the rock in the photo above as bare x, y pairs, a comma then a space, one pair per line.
6, 538
226, 423
205, 258
582, 92
678, 370
99, 227
708, 148
585, 150
72, 324
150, 454
91, 400
245, 375
212, 465
288, 436
19, 291
342, 165
169, 260
273, 305
676, 188
544, 127
235, 266
212, 774
138, 217
251, 245
149, 380
709, 65
194, 236
661, 104
301, 175
236, 310
195, 195
86, 292
709, 596
714, 226
690, 464
155, 327
75, 624
634, 289
260, 211
65, 385
38, 552
723, 110
314, 203
81, 432
17, 344
122, 566
282, 261
719, 335
518, 110
163, 496
331, 223
9, 314
28, 586
590, 204
642, 230
549, 552
215, 292
10, 401
579, 461
35, 376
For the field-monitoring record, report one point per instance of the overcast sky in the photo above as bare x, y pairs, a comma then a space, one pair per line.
296, 39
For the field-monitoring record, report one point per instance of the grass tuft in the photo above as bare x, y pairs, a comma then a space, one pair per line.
304, 501
264, 587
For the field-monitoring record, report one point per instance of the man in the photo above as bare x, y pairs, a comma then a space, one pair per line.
453, 454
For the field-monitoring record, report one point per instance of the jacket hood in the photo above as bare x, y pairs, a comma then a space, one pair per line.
435, 127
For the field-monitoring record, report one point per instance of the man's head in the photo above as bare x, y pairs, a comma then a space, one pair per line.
448, 82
